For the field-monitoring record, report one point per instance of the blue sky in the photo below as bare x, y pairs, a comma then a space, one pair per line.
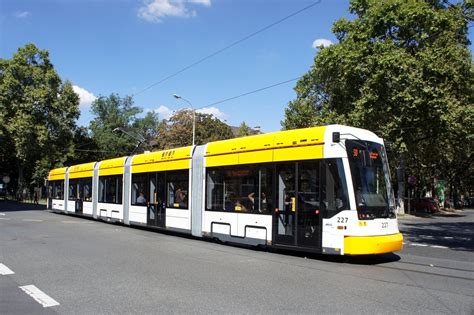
124, 46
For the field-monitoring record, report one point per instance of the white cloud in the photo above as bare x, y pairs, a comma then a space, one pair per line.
322, 42
23, 14
207, 3
156, 10
86, 97
216, 112
163, 112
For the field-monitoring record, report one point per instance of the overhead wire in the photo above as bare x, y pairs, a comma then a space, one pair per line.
437, 34
250, 92
235, 43
232, 45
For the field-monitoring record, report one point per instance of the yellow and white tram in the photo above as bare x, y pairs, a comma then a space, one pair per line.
322, 189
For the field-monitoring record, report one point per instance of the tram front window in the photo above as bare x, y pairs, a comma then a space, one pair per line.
370, 177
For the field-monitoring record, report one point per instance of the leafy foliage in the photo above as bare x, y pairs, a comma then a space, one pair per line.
402, 69
244, 130
177, 132
148, 127
38, 113
113, 113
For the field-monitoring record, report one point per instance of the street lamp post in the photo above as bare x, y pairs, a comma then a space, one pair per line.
176, 96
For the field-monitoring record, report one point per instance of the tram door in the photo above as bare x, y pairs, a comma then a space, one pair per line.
296, 219
77, 191
309, 204
284, 218
79, 206
156, 208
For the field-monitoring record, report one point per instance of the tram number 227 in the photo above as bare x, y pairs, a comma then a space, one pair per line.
342, 219
384, 225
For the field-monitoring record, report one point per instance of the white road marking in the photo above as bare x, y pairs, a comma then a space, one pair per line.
2, 213
448, 237
6, 219
75, 222
4, 270
40, 297
418, 244
31, 220
425, 245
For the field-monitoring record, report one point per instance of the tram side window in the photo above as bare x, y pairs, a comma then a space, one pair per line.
334, 187
58, 189
110, 189
308, 186
73, 187
177, 189
87, 189
80, 189
242, 189
139, 189
262, 196
215, 194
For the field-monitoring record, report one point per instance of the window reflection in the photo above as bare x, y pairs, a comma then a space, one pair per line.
241, 188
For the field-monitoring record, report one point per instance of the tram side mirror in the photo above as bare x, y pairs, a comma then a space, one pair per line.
336, 137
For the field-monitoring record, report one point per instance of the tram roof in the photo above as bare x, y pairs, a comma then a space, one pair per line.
263, 142
57, 173
163, 156
82, 167
274, 140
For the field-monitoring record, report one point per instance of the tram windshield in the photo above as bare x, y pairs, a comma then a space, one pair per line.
371, 179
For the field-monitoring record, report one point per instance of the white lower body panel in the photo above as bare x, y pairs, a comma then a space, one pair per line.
138, 214
238, 225
87, 208
178, 219
58, 204
110, 211
71, 206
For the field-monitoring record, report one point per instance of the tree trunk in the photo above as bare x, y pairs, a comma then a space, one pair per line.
19, 189
401, 187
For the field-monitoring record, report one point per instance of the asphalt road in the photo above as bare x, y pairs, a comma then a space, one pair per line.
91, 267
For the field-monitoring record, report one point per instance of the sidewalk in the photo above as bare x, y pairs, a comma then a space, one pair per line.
441, 213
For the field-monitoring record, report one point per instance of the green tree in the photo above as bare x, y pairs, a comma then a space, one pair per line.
113, 112
148, 127
38, 113
85, 147
404, 70
177, 131
244, 130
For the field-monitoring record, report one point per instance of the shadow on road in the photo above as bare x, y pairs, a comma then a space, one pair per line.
449, 215
360, 260
455, 235
356, 260
7, 206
